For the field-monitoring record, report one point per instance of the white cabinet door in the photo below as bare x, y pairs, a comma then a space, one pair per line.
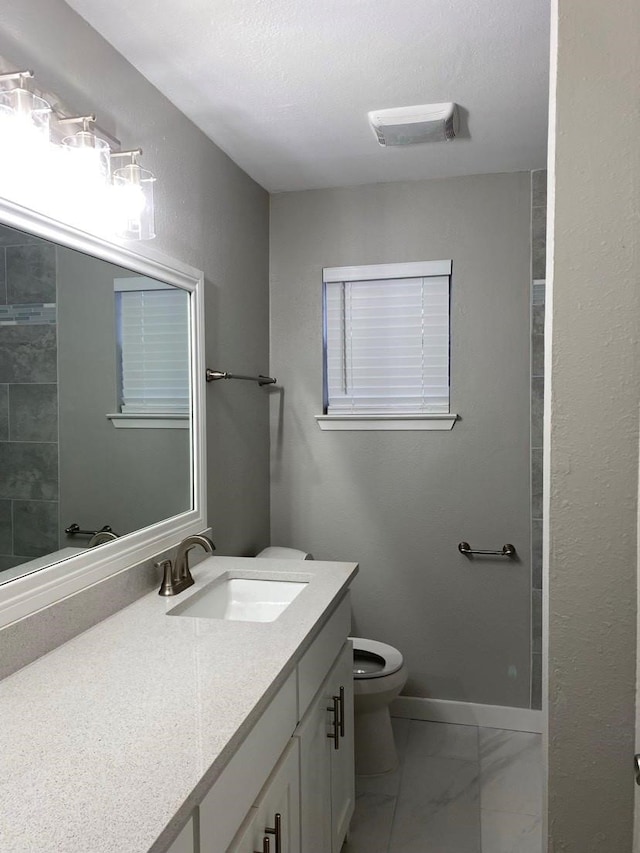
243, 842
342, 760
315, 774
327, 781
276, 813
184, 842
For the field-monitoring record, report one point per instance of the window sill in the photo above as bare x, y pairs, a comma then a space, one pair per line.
149, 421
387, 422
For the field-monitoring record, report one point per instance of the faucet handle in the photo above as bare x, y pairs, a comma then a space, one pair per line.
183, 572
178, 576
166, 587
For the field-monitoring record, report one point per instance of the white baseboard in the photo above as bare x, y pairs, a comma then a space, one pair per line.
467, 714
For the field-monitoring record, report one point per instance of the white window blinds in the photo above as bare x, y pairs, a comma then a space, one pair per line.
153, 336
387, 341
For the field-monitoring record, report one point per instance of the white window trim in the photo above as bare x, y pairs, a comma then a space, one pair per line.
387, 422
135, 283
413, 269
359, 422
122, 420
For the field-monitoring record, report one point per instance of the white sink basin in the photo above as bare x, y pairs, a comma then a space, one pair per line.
242, 599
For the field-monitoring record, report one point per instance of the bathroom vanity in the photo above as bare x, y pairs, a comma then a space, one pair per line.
188, 734
128, 728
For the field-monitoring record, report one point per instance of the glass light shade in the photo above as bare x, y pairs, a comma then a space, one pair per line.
90, 155
133, 188
31, 112
76, 191
24, 143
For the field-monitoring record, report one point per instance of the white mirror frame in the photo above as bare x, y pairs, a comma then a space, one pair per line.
24, 595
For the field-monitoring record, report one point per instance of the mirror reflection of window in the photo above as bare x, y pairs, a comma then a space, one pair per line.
152, 328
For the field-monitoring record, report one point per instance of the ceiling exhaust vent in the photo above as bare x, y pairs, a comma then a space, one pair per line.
411, 125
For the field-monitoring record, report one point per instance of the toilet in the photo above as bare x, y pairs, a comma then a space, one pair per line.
379, 674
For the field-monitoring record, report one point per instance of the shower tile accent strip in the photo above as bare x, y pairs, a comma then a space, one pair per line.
39, 314
538, 262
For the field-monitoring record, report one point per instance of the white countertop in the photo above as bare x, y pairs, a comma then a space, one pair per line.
107, 739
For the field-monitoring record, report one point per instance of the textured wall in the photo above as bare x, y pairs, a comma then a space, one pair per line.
399, 502
209, 214
592, 458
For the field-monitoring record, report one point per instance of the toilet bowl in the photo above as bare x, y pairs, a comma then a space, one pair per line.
379, 674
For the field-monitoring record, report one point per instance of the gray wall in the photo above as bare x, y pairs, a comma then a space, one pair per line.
399, 502
591, 463
209, 214
95, 457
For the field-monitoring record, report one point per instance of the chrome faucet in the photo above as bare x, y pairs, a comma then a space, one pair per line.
178, 577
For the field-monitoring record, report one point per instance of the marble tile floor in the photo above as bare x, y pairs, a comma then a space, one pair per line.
458, 789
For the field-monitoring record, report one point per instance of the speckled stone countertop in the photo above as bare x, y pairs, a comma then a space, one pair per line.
109, 741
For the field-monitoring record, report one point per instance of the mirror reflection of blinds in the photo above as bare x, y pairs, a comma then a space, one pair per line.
387, 346
154, 348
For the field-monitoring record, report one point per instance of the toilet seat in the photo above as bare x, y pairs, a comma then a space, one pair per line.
380, 659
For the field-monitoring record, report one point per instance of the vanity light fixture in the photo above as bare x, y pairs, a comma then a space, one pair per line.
30, 113
134, 188
24, 139
71, 180
90, 153
81, 176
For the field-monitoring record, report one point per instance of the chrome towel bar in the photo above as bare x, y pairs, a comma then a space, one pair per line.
212, 375
74, 530
507, 550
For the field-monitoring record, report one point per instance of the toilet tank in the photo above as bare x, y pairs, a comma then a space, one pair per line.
275, 552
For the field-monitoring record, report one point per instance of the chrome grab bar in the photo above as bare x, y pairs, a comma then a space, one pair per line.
212, 375
508, 550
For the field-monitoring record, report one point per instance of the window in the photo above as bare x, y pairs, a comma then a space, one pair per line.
386, 359
152, 321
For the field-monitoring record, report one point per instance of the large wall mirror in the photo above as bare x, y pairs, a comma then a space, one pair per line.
101, 422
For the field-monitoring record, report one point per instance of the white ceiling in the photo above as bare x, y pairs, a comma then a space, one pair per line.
284, 86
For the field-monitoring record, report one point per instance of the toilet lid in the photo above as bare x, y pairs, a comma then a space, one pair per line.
372, 659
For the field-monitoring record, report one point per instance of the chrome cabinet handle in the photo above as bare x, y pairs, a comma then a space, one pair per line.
335, 710
636, 765
265, 846
276, 830
341, 703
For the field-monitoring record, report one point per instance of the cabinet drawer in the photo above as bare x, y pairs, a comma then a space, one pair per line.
234, 792
317, 660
